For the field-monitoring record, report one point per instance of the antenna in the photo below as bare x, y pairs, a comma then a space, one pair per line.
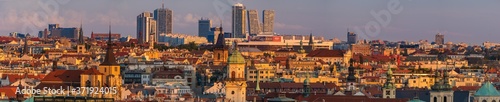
163, 4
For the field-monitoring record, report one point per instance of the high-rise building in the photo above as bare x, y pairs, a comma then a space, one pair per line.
239, 21
351, 38
253, 22
65, 32
439, 39
204, 27
164, 18
146, 28
268, 21
53, 26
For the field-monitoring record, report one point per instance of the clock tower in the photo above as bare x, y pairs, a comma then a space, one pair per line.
235, 82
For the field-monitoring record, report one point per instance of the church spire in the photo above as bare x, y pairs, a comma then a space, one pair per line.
301, 50
351, 76
388, 83
311, 42
109, 59
25, 49
80, 34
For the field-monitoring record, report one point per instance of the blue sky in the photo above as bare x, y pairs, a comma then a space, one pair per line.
459, 20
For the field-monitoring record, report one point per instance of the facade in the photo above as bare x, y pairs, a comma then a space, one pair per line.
351, 38
164, 19
179, 39
204, 28
439, 39
253, 22
268, 21
104, 36
65, 32
239, 21
146, 28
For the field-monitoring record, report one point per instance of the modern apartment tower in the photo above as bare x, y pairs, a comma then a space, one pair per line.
253, 22
268, 21
439, 39
351, 37
164, 18
146, 28
204, 26
239, 21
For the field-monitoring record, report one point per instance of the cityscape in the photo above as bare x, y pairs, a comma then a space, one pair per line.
242, 53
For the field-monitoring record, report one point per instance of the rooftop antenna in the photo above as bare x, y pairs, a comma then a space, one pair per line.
163, 4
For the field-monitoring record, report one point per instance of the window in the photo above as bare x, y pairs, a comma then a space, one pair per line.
436, 99
218, 56
232, 92
387, 92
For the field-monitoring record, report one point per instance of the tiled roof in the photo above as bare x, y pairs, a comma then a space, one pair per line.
15, 77
64, 76
326, 53
92, 71
10, 91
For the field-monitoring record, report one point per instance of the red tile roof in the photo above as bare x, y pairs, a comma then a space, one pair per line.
10, 91
326, 53
15, 77
63, 76
92, 71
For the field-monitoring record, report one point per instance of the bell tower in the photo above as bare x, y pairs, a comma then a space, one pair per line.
220, 50
389, 90
80, 47
235, 82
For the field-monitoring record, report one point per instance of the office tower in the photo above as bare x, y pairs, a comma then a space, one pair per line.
146, 26
204, 27
65, 32
351, 38
53, 26
439, 39
268, 21
164, 18
253, 22
239, 21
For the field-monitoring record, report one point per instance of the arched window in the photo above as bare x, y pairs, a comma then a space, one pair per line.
233, 74
87, 83
435, 99
232, 92
445, 100
484, 101
493, 101
218, 56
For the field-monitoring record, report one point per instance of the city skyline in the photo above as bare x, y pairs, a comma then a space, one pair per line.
416, 20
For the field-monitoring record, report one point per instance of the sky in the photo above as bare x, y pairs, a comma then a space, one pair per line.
408, 20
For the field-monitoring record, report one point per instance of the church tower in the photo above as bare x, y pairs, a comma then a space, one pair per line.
301, 53
351, 78
235, 82
441, 90
389, 90
220, 50
111, 69
80, 47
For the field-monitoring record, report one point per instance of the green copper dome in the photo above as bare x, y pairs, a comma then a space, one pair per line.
487, 90
236, 58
